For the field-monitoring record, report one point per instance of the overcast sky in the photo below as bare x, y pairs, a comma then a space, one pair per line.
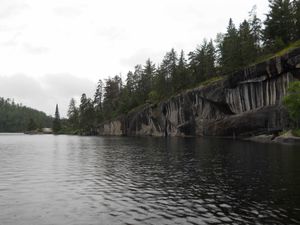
52, 50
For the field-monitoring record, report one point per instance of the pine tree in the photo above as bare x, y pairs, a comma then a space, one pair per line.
296, 7
56, 122
167, 72
202, 61
86, 114
181, 77
112, 92
146, 81
255, 28
98, 98
31, 125
229, 49
279, 24
248, 48
73, 114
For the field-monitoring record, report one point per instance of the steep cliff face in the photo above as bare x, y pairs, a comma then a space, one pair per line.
246, 102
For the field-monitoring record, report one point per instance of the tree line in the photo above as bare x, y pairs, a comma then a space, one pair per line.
17, 118
238, 47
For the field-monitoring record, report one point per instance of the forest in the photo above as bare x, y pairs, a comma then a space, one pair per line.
247, 43
17, 118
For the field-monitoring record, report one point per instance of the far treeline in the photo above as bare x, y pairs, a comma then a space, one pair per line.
17, 118
251, 41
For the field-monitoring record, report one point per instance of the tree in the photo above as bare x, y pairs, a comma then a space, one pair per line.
279, 24
112, 91
31, 125
56, 122
181, 76
229, 49
202, 61
166, 73
73, 114
98, 98
16, 118
248, 45
255, 28
296, 6
292, 102
86, 114
146, 81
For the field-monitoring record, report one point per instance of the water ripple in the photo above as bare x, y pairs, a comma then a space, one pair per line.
90, 180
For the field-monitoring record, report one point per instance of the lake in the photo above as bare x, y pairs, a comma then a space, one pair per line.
61, 180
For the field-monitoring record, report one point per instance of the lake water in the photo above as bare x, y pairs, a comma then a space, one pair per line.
61, 180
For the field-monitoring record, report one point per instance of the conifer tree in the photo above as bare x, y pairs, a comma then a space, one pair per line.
146, 81
56, 122
248, 48
296, 6
181, 77
73, 114
255, 28
31, 125
229, 49
279, 24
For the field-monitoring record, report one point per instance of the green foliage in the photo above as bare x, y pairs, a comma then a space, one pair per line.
279, 24
292, 101
212, 80
296, 10
296, 132
56, 127
202, 62
32, 125
16, 118
86, 114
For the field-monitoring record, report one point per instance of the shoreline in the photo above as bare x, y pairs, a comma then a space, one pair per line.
286, 139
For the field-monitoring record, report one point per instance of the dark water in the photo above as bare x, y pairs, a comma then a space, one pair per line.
91, 180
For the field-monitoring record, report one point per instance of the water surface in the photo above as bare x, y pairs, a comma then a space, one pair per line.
61, 180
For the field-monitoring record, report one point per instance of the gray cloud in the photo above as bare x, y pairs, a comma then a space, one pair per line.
65, 84
10, 8
12, 41
140, 57
67, 11
111, 33
35, 49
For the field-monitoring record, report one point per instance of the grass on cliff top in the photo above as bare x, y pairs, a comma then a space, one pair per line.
282, 52
211, 81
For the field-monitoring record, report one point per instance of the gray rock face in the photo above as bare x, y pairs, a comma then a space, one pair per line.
245, 103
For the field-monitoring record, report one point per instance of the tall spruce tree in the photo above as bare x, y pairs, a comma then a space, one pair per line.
202, 61
279, 25
166, 73
181, 76
296, 7
73, 114
32, 126
146, 81
229, 49
98, 98
86, 114
255, 28
56, 122
248, 48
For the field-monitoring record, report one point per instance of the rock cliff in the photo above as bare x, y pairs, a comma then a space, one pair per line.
246, 102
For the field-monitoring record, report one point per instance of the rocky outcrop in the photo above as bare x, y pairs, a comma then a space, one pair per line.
247, 102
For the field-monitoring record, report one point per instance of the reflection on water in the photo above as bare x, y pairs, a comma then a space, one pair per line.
92, 180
